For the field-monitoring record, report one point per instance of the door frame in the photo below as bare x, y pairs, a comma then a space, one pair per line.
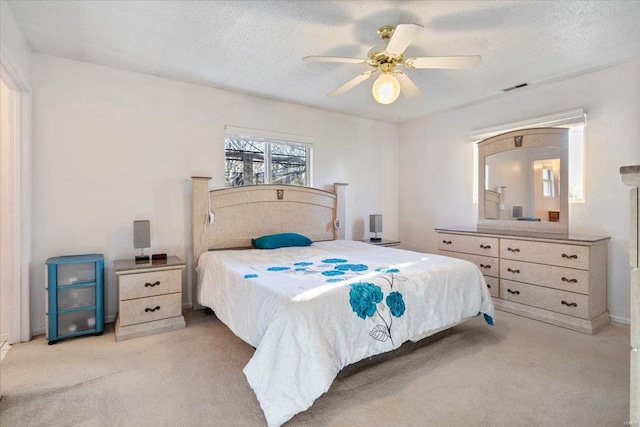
16, 247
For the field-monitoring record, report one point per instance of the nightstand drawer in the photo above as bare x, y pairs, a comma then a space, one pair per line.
149, 284
148, 309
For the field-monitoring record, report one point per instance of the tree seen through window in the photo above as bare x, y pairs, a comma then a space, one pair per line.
250, 161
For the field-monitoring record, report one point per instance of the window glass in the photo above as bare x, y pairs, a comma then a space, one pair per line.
288, 164
244, 162
547, 182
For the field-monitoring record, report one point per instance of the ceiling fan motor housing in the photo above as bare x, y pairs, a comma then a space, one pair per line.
378, 56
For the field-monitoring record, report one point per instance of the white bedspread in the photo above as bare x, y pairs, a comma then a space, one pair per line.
310, 311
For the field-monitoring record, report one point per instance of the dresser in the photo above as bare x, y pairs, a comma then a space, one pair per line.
149, 297
558, 279
631, 177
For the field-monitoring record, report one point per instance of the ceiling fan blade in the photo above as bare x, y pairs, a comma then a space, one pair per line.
352, 83
408, 88
402, 37
334, 59
468, 61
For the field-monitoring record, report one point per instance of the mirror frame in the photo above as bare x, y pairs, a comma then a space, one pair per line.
515, 140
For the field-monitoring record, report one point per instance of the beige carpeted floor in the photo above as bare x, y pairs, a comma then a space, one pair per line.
517, 373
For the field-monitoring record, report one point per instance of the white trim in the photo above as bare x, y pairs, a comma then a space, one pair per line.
21, 316
620, 320
571, 117
25, 216
284, 137
10, 247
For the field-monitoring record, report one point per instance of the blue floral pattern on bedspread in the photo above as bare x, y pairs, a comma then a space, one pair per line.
365, 297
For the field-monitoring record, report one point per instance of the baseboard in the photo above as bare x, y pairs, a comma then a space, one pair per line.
620, 320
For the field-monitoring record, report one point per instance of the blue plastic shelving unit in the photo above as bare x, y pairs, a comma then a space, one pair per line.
75, 296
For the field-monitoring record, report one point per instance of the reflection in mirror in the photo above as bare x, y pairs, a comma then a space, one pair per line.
523, 184
523, 181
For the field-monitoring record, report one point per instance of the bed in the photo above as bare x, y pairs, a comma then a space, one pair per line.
310, 311
491, 204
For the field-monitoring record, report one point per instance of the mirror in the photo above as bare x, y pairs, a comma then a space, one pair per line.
522, 183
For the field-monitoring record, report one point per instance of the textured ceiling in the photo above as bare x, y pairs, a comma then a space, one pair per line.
256, 47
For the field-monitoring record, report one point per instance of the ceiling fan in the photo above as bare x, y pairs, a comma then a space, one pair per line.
386, 56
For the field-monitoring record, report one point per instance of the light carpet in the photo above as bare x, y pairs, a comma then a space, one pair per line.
519, 372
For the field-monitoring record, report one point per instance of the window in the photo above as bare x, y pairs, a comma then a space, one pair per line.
257, 157
547, 181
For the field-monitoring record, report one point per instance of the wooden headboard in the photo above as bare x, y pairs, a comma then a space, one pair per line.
491, 204
244, 213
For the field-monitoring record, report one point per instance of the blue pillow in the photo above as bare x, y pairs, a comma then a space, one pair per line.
282, 240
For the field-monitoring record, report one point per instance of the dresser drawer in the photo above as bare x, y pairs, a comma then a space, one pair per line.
149, 284
567, 279
493, 283
477, 245
488, 265
564, 302
142, 310
546, 253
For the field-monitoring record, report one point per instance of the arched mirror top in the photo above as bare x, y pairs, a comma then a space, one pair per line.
523, 181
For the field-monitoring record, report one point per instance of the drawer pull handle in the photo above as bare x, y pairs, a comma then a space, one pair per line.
569, 256
446, 242
513, 292
488, 286
513, 249
513, 271
485, 247
147, 310
564, 279
146, 285
569, 304
485, 266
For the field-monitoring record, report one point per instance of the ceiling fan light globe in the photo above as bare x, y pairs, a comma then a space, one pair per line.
386, 89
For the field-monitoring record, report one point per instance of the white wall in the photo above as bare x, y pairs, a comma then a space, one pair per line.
14, 47
111, 146
436, 163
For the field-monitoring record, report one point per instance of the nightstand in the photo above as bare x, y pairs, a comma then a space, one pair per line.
149, 297
383, 242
